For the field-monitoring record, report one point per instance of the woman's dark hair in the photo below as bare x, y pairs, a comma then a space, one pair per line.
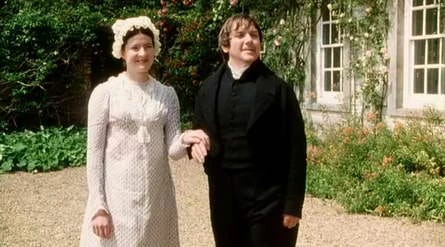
133, 32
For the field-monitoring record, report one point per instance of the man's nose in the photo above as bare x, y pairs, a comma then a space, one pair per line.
249, 38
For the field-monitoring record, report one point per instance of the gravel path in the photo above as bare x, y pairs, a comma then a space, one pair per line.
46, 209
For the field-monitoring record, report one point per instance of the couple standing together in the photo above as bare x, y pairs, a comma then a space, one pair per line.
248, 132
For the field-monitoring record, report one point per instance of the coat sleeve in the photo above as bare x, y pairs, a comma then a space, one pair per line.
98, 109
296, 144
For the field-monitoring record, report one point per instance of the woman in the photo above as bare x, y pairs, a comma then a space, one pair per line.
133, 126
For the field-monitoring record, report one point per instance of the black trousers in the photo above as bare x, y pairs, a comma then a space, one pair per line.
244, 213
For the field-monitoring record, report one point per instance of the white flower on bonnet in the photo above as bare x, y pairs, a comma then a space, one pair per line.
122, 27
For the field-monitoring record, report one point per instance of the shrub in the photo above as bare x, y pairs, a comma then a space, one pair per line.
42, 50
44, 150
53, 53
383, 171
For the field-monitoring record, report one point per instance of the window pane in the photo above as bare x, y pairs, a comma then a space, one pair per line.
430, 1
337, 57
433, 51
442, 84
433, 81
442, 20
335, 34
336, 87
326, 34
417, 2
419, 52
327, 57
417, 22
327, 81
443, 51
418, 81
431, 21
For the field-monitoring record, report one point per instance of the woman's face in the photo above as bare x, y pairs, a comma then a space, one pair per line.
139, 53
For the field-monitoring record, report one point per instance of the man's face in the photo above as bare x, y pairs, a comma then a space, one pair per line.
245, 45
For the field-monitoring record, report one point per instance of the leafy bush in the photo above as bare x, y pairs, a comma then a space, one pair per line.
43, 46
44, 150
52, 53
383, 171
190, 55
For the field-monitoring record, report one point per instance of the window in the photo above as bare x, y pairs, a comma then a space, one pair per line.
425, 71
330, 88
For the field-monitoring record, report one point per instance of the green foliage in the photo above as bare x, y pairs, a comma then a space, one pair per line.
52, 53
42, 45
286, 41
43, 150
365, 26
383, 171
190, 56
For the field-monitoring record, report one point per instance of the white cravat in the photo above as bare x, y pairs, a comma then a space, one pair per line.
237, 72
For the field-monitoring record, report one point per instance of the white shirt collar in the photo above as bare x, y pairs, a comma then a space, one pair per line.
237, 72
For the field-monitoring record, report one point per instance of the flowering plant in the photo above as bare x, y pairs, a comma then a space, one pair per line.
122, 27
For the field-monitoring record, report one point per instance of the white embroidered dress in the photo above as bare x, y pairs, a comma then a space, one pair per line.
132, 129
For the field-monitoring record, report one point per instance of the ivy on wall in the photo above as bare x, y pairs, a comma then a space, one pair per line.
364, 25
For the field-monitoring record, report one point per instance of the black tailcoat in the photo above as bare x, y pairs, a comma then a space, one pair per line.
275, 132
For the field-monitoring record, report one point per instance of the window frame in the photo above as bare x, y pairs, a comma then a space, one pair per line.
323, 96
411, 99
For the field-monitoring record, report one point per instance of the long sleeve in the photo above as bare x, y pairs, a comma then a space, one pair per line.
98, 108
176, 149
296, 143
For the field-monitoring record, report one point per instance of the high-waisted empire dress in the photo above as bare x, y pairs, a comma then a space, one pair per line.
132, 130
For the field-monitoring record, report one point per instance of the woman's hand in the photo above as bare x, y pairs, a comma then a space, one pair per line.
102, 224
191, 137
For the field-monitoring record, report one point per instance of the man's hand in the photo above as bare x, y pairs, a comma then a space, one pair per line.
290, 221
196, 136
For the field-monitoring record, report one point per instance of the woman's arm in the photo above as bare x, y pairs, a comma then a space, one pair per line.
98, 108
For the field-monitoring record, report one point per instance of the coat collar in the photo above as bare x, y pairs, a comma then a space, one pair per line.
266, 84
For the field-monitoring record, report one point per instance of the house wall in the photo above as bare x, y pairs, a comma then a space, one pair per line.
394, 110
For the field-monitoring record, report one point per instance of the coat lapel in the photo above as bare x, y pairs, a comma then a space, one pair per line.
211, 97
264, 95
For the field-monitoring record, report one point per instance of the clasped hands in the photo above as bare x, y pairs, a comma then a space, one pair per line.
199, 143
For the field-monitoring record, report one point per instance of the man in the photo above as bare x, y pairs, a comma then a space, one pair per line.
256, 162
